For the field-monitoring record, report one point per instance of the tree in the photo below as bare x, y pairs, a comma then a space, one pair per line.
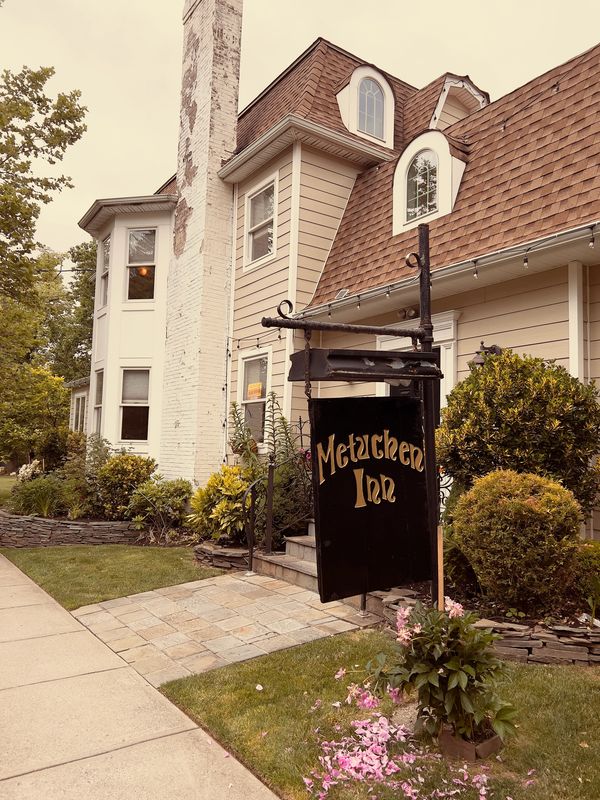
77, 338
34, 128
525, 414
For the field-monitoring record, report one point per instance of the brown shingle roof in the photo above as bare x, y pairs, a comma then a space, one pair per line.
533, 169
308, 89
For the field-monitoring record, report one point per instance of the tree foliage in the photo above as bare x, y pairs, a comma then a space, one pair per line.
523, 413
34, 129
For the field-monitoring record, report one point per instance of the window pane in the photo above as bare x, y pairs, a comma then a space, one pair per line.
99, 387
135, 385
255, 420
140, 285
105, 253
141, 247
135, 422
421, 185
370, 108
261, 206
104, 290
255, 378
98, 425
261, 242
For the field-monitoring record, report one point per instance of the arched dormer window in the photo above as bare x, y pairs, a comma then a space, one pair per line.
371, 108
367, 106
421, 185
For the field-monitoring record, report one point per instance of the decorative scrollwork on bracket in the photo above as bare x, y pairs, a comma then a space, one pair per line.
289, 309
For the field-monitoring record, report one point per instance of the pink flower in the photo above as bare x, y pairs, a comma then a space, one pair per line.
340, 674
367, 700
416, 629
453, 609
402, 616
395, 694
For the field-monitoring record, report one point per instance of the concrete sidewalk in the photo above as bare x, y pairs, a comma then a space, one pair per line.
78, 721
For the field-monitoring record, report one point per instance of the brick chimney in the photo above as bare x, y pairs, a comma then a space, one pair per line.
199, 284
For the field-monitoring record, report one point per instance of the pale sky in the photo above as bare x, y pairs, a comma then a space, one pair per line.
125, 57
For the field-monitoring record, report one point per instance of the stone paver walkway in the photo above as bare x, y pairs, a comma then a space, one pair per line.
77, 721
194, 627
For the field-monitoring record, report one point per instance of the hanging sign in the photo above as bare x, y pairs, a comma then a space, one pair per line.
370, 492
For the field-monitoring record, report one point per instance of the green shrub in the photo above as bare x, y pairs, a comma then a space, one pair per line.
522, 413
587, 576
519, 532
117, 479
217, 510
160, 505
42, 496
451, 665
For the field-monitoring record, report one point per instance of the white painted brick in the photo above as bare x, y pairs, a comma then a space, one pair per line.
200, 274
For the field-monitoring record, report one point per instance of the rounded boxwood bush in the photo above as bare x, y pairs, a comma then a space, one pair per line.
523, 413
117, 480
519, 532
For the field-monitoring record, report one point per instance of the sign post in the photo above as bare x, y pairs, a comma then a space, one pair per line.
374, 468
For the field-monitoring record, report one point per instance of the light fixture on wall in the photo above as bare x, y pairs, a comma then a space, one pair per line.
329, 310
591, 241
388, 292
483, 353
411, 312
526, 259
475, 270
358, 302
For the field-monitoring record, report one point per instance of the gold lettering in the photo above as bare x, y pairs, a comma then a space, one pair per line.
373, 490
387, 489
363, 447
403, 453
376, 439
340, 456
351, 448
360, 497
390, 445
416, 458
324, 457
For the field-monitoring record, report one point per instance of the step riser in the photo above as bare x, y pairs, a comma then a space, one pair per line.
301, 552
285, 573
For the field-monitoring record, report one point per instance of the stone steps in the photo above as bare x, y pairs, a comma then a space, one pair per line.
287, 568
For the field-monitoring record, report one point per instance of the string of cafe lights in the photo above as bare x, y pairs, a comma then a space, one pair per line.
532, 248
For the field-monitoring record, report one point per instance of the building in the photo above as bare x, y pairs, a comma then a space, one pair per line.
313, 193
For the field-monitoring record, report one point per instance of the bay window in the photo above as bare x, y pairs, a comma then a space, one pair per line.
141, 265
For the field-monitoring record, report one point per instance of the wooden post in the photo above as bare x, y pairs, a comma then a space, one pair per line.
440, 567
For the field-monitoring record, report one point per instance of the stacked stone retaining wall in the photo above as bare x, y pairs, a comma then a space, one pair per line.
532, 644
19, 531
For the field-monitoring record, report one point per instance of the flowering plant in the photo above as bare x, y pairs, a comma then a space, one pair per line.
451, 665
29, 471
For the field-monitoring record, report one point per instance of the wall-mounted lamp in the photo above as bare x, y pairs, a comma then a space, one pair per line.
483, 353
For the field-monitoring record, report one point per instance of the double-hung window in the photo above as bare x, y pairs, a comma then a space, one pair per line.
79, 413
254, 394
134, 404
105, 255
141, 249
99, 391
261, 223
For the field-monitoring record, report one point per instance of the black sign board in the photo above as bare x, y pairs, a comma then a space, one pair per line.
370, 491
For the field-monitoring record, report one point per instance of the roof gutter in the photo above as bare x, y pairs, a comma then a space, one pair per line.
304, 127
143, 201
451, 270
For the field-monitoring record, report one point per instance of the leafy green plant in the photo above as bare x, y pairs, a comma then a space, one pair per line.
523, 413
118, 478
42, 496
451, 665
519, 532
217, 509
159, 505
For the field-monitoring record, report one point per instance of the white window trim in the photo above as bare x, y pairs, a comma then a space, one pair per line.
104, 272
129, 266
457, 83
249, 355
97, 427
248, 264
78, 398
348, 102
445, 336
449, 175
147, 404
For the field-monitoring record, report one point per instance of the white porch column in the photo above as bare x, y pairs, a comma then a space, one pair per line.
576, 352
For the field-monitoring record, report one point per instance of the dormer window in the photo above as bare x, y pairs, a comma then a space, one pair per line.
367, 107
371, 106
421, 185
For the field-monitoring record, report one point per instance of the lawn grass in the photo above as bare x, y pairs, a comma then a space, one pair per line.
78, 575
6, 484
273, 731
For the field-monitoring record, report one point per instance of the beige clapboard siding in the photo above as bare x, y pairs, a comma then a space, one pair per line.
452, 111
258, 290
325, 186
594, 326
